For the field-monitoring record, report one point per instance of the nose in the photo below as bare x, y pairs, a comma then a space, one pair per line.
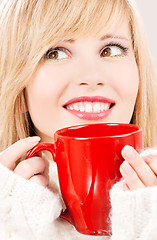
90, 75
91, 83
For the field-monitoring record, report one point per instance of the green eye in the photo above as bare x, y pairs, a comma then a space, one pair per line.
56, 54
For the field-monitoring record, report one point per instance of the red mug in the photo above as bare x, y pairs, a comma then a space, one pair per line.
88, 158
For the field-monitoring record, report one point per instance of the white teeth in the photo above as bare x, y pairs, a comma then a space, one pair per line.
96, 107
76, 106
89, 107
82, 108
71, 107
106, 107
103, 107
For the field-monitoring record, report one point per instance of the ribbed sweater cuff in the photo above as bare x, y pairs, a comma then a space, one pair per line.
26, 206
12, 184
134, 213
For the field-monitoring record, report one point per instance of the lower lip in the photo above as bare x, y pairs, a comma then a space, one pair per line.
90, 116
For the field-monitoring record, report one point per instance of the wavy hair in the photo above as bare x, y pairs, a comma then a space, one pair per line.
28, 28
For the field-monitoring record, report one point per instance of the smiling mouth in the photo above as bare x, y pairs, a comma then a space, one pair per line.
91, 108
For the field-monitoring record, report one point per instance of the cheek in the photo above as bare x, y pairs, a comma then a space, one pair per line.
128, 81
125, 85
44, 87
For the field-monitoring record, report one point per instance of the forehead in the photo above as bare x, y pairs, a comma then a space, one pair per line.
119, 30
94, 18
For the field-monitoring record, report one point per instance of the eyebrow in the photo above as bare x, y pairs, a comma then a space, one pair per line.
107, 36
69, 40
113, 36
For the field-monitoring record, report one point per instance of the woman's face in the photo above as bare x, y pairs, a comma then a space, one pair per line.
88, 80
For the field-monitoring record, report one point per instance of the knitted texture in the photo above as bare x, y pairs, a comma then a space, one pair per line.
149, 152
30, 211
134, 213
26, 208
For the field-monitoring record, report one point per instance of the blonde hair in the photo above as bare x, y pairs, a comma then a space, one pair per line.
28, 28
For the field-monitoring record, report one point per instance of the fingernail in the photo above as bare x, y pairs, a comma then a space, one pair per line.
34, 139
127, 168
128, 152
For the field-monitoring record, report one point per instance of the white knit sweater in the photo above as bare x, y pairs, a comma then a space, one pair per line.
30, 211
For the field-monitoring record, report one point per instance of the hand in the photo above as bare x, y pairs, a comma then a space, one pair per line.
138, 172
31, 169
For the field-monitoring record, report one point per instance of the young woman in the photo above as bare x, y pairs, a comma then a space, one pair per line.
65, 63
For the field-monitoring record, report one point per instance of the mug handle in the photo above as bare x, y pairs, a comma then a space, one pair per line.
51, 148
40, 147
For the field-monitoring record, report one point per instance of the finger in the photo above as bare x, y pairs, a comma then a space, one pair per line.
152, 162
143, 171
132, 181
29, 167
9, 156
125, 186
40, 179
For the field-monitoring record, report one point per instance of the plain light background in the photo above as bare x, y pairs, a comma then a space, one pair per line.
148, 11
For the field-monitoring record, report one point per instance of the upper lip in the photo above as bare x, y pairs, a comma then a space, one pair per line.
89, 99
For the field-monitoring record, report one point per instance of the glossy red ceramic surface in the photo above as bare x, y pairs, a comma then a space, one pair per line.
88, 158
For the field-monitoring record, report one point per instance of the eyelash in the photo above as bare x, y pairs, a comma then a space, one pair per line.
45, 56
112, 44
